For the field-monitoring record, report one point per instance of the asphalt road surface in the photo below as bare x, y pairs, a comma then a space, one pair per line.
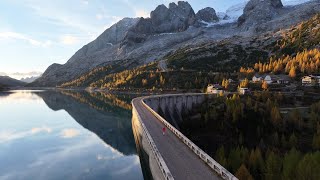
181, 161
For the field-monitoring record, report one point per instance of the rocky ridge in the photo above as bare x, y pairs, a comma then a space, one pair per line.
144, 40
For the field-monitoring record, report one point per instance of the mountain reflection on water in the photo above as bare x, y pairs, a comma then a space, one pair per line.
67, 135
98, 114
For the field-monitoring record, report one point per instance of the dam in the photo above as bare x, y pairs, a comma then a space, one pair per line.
173, 155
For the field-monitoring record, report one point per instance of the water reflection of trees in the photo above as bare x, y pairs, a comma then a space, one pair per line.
102, 100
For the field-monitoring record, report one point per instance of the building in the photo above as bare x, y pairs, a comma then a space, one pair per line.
243, 90
270, 78
258, 78
231, 80
214, 89
283, 79
310, 80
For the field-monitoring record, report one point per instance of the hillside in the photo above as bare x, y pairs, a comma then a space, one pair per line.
145, 40
195, 66
6, 81
296, 53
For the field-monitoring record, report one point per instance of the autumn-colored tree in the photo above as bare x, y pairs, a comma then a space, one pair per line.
225, 83
264, 85
220, 156
275, 116
243, 173
292, 72
256, 163
244, 83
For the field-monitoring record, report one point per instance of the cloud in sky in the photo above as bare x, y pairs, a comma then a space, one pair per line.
69, 133
6, 136
142, 13
18, 36
69, 40
85, 2
41, 129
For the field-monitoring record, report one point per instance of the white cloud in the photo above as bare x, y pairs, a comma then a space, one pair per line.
58, 14
141, 13
69, 133
69, 40
85, 2
42, 129
6, 136
3, 74
99, 16
18, 36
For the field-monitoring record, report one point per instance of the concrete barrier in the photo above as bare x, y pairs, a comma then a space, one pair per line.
224, 173
159, 159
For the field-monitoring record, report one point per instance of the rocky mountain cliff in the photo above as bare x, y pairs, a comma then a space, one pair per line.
134, 42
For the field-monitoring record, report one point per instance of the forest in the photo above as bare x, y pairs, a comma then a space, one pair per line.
259, 136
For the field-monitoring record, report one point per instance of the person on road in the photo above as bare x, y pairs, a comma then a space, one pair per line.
163, 130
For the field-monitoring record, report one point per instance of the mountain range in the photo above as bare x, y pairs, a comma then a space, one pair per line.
6, 81
135, 42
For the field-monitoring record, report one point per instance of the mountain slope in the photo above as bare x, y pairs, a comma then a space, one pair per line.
10, 82
141, 41
196, 66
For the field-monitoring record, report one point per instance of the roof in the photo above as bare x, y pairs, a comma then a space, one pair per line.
217, 86
273, 76
257, 75
280, 77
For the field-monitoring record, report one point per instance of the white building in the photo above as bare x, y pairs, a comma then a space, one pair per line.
243, 90
214, 89
310, 80
258, 78
279, 79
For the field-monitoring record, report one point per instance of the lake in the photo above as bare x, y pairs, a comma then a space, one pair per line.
67, 135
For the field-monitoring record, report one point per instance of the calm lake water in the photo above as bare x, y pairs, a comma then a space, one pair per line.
66, 135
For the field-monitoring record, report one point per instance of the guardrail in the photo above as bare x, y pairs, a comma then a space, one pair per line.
224, 173
161, 163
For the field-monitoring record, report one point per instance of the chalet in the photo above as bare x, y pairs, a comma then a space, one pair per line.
279, 79
214, 89
310, 80
243, 91
283, 79
258, 78
270, 78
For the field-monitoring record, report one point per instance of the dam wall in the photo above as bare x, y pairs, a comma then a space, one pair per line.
172, 107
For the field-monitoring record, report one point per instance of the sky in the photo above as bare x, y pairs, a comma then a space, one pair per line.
36, 33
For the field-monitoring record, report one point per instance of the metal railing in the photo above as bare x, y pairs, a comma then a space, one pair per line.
159, 159
224, 173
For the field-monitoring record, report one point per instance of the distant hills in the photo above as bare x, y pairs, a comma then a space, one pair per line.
6, 81
182, 39
29, 79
